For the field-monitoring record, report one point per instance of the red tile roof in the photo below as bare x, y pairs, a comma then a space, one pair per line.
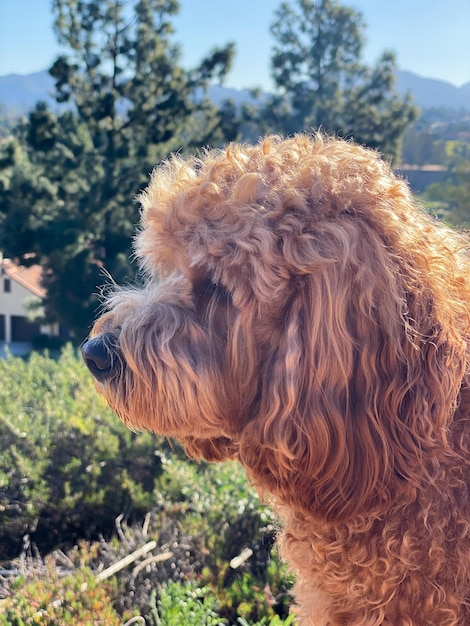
28, 277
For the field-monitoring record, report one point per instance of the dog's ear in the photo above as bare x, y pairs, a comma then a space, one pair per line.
357, 394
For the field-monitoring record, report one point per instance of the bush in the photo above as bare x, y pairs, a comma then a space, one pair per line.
185, 604
49, 599
191, 605
68, 466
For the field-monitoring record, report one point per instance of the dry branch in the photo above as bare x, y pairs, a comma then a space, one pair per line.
127, 560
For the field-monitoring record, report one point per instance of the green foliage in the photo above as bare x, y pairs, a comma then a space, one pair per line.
450, 199
54, 600
422, 147
437, 137
68, 467
316, 66
214, 505
191, 605
8, 118
207, 496
48, 210
256, 598
185, 604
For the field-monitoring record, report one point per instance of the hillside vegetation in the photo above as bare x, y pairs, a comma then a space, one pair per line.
79, 492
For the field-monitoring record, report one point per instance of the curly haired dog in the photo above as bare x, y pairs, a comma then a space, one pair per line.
302, 315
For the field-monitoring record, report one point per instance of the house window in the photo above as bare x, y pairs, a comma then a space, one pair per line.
22, 329
6, 285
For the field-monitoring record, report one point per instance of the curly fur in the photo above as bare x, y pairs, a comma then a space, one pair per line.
304, 316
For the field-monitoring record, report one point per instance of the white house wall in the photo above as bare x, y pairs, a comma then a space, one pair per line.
12, 302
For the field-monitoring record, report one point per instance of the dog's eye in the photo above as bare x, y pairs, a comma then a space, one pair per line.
206, 288
208, 295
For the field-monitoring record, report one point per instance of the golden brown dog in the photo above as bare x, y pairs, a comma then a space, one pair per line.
302, 315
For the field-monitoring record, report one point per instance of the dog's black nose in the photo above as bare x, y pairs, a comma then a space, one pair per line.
99, 354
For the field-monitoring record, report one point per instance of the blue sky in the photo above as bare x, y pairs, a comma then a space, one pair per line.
429, 37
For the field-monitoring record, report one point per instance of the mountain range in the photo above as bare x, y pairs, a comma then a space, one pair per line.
21, 92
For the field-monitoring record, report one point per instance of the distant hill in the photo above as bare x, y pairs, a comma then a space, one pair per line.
22, 92
429, 92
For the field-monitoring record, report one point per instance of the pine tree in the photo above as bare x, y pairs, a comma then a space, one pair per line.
322, 83
125, 104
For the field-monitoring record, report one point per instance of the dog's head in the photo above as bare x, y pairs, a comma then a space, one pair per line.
300, 314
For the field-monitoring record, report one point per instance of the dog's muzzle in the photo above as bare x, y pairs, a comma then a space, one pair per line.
101, 356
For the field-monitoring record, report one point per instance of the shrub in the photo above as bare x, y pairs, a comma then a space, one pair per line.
49, 599
186, 604
68, 466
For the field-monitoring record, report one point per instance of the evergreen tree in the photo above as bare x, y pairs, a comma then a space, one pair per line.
322, 83
126, 103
